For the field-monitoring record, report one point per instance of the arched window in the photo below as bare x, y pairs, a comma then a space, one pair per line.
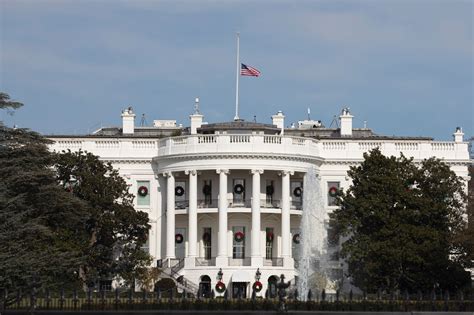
272, 286
205, 286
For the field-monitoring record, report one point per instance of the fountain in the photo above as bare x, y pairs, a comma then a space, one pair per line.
312, 264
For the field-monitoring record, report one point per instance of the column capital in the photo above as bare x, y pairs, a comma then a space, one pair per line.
255, 171
192, 172
223, 170
167, 174
286, 172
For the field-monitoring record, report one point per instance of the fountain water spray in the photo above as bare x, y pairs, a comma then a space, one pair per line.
313, 249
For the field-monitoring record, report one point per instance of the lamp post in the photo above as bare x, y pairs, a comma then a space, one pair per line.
258, 274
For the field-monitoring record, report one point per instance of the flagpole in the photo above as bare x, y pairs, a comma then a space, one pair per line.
237, 80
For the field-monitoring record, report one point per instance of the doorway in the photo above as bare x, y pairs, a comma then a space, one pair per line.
239, 289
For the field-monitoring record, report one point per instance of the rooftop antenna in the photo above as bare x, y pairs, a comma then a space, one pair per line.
196, 105
334, 121
143, 122
309, 112
365, 124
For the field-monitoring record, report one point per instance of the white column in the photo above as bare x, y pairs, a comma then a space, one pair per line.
192, 219
256, 255
221, 259
170, 216
285, 215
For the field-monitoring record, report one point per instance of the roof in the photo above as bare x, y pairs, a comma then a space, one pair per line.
238, 125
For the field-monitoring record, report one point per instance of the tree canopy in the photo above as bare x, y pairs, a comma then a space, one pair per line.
400, 224
66, 219
116, 230
7, 103
42, 227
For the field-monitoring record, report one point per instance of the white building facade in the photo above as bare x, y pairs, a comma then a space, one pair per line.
225, 200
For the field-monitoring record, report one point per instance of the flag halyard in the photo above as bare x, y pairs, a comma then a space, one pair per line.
246, 70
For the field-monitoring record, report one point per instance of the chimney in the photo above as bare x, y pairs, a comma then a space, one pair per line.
458, 135
196, 118
128, 121
279, 121
346, 123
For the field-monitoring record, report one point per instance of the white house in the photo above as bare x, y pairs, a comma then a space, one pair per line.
226, 198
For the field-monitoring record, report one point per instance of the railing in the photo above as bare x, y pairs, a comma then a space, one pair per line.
89, 301
207, 139
144, 144
296, 204
181, 204
107, 144
240, 261
272, 139
240, 138
265, 203
203, 203
240, 204
275, 262
200, 261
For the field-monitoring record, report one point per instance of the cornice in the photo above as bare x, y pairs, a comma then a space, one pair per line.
126, 161
235, 155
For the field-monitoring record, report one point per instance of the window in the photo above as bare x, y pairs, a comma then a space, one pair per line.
146, 246
143, 193
296, 191
333, 188
238, 248
207, 240
270, 189
269, 243
180, 244
180, 195
295, 243
207, 191
239, 191
333, 244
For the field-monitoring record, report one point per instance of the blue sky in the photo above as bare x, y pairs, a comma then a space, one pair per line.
406, 67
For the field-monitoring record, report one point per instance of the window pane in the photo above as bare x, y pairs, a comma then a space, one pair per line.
143, 199
238, 248
332, 188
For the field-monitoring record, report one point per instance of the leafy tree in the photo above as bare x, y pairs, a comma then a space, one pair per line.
42, 227
116, 230
399, 223
6, 103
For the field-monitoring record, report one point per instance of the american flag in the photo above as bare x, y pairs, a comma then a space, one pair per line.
249, 71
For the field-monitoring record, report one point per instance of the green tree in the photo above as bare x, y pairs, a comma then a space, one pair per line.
116, 230
399, 223
7, 103
42, 227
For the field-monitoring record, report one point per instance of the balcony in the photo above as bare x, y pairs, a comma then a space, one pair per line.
239, 203
207, 203
231, 203
267, 203
181, 204
240, 261
200, 261
274, 262
226, 143
296, 205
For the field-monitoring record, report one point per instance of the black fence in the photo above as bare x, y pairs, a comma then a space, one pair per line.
171, 300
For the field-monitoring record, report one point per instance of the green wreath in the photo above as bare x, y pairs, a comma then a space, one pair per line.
296, 238
142, 191
332, 191
239, 237
220, 287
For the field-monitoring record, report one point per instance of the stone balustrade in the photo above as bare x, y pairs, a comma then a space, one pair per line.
339, 149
